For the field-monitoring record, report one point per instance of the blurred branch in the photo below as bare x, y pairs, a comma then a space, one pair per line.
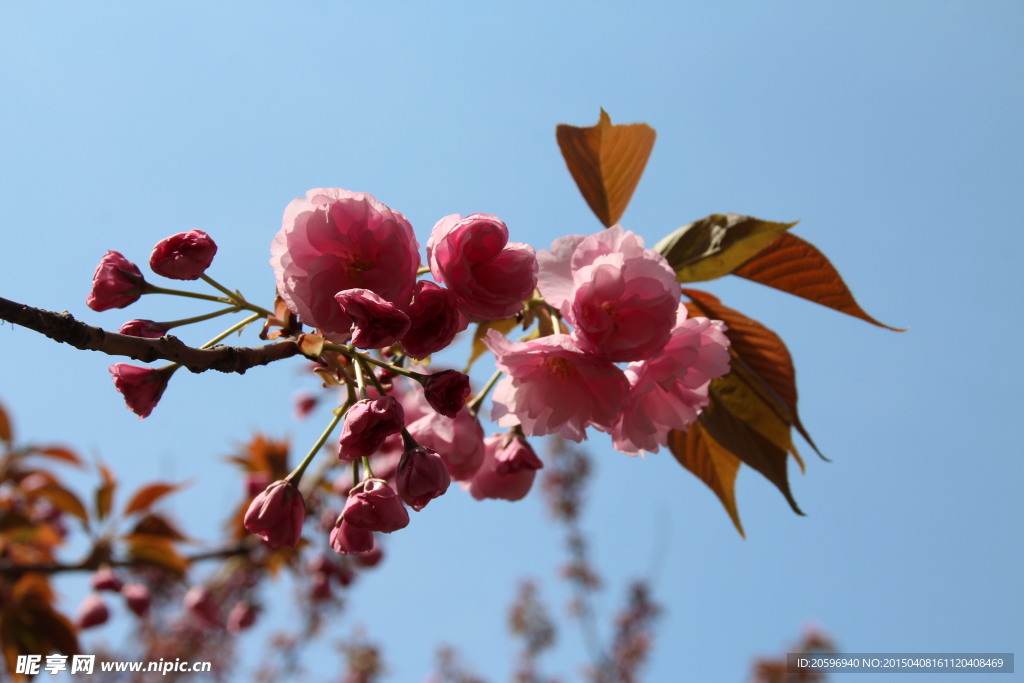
92, 563
63, 328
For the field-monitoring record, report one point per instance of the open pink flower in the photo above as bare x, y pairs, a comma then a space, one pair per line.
141, 387
435, 320
508, 469
668, 392
554, 387
490, 276
184, 256
335, 240
116, 283
620, 298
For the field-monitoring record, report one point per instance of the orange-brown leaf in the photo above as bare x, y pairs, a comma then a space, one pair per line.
743, 435
717, 245
6, 430
794, 265
147, 495
711, 463
62, 499
157, 525
606, 160
105, 492
57, 453
156, 550
759, 350
504, 326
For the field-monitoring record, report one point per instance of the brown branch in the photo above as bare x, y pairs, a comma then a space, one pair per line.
91, 563
63, 328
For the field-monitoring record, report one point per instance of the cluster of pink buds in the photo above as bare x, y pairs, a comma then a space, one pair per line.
94, 611
118, 283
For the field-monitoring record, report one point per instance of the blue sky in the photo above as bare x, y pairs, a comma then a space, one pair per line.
890, 130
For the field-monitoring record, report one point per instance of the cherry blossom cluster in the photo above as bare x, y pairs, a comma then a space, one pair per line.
613, 349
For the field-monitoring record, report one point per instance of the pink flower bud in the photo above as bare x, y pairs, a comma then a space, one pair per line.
277, 515
490, 276
459, 441
348, 539
144, 328
138, 597
105, 580
201, 604
367, 424
376, 508
141, 387
446, 391
304, 404
422, 477
321, 589
116, 283
184, 256
435, 319
508, 470
371, 558
378, 322
92, 612
241, 617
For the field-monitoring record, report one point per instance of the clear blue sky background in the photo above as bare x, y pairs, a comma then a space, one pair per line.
891, 130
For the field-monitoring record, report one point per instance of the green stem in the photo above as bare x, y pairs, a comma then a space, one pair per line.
474, 405
200, 318
231, 330
216, 285
361, 378
366, 468
356, 355
232, 298
296, 474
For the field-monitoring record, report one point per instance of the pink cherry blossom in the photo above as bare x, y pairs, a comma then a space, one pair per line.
668, 392
277, 514
552, 386
508, 469
422, 477
184, 256
105, 580
459, 441
435, 320
378, 322
620, 297
376, 508
490, 276
241, 616
116, 283
334, 240
348, 539
141, 387
92, 612
446, 391
137, 597
367, 424
202, 605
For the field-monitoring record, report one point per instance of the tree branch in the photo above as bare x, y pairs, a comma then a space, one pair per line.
63, 328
